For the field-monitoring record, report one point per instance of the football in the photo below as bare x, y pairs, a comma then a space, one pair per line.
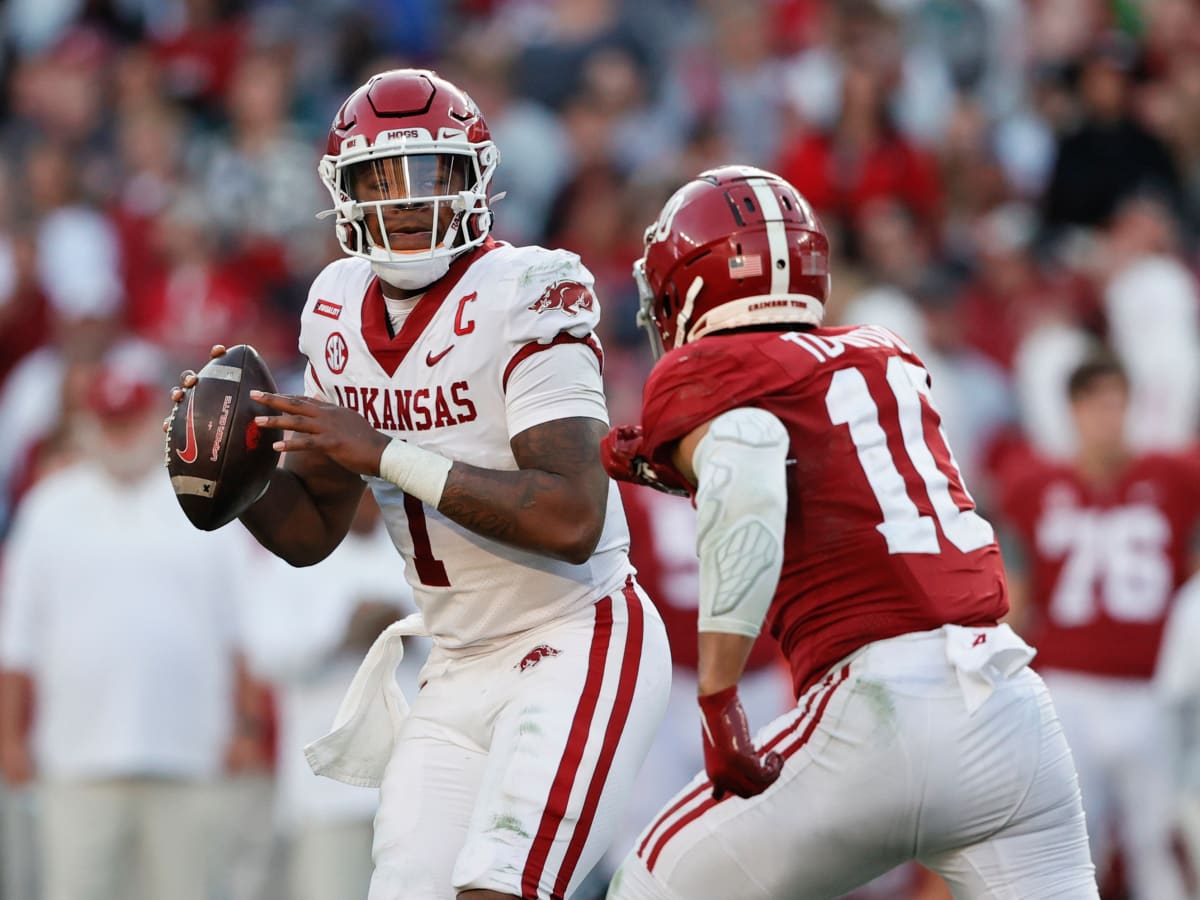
219, 460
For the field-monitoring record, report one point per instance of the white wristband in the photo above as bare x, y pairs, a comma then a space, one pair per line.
418, 472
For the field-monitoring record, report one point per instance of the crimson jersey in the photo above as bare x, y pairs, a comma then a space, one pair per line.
1104, 563
882, 537
662, 547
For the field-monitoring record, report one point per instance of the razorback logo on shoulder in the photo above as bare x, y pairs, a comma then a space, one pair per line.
328, 308
569, 296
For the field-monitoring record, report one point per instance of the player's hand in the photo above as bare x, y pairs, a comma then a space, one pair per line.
187, 380
621, 453
732, 763
340, 433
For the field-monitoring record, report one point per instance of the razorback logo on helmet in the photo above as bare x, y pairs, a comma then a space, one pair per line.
569, 296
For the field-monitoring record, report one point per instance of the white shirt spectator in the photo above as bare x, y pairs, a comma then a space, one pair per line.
124, 617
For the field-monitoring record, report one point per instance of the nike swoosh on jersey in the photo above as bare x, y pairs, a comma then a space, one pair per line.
431, 359
191, 450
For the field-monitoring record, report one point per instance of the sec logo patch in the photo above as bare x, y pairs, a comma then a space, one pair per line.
336, 353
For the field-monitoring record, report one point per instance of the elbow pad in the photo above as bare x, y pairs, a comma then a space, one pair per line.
741, 502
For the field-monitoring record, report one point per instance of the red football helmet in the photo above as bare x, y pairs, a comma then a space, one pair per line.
736, 246
417, 140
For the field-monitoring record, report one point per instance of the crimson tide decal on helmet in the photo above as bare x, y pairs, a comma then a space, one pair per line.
336, 353
569, 296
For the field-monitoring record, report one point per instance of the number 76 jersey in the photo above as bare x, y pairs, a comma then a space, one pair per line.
1104, 562
882, 537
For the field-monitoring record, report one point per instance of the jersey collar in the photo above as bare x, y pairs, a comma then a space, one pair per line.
390, 351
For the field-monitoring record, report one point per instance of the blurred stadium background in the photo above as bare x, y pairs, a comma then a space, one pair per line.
1006, 181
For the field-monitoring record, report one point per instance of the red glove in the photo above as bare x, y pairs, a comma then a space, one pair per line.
732, 763
621, 453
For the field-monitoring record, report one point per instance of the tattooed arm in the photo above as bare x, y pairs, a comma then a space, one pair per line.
553, 504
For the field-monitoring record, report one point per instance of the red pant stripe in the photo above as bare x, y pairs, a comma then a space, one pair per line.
626, 684
826, 694
568, 767
816, 719
829, 679
683, 801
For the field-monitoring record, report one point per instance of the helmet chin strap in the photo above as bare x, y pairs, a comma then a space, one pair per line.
412, 276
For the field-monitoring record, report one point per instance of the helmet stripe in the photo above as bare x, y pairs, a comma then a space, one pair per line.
776, 234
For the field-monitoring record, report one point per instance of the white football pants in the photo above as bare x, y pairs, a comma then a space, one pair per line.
513, 766
883, 764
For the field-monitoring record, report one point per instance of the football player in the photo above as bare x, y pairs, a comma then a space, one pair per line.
1106, 540
830, 507
461, 378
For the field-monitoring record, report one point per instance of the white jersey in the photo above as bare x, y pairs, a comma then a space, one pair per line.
461, 378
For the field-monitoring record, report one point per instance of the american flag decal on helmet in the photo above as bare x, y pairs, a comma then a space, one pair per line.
745, 266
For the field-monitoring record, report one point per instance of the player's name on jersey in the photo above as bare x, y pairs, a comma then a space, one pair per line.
827, 346
408, 409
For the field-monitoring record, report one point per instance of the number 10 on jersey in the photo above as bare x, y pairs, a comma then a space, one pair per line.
850, 403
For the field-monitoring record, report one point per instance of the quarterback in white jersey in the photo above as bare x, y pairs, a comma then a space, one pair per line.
464, 375
460, 377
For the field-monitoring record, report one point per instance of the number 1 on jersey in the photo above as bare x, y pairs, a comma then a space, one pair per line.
430, 569
850, 403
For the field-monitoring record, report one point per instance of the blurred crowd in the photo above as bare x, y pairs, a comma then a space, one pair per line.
1007, 183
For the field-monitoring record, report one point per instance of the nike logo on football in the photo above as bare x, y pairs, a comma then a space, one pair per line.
431, 359
189, 453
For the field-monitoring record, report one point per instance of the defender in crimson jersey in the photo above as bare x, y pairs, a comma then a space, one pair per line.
862, 559
1107, 540
830, 506
460, 378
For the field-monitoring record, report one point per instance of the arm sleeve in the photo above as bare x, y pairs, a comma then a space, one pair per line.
561, 383
741, 504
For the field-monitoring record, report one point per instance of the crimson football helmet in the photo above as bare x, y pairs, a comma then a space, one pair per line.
409, 139
735, 246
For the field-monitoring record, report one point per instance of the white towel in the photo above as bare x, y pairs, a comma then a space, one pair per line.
983, 657
358, 748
